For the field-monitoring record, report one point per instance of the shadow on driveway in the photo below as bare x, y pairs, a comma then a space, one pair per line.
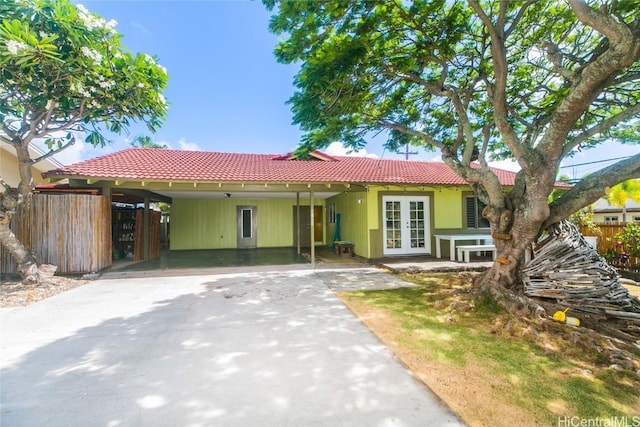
252, 349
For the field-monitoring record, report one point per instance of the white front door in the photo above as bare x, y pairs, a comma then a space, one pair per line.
247, 227
406, 225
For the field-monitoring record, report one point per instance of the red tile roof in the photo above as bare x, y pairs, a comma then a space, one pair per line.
204, 166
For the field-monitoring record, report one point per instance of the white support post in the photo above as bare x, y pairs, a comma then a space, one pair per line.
298, 221
313, 230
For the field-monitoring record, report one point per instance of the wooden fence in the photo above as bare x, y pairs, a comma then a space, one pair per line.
154, 235
607, 240
71, 231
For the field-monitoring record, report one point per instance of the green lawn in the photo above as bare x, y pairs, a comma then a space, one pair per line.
546, 370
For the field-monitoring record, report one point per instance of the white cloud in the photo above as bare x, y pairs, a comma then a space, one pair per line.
188, 146
140, 29
338, 149
508, 165
73, 154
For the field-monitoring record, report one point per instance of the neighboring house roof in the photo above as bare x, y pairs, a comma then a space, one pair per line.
204, 166
603, 206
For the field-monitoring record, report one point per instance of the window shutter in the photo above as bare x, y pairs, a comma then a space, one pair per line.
471, 212
473, 217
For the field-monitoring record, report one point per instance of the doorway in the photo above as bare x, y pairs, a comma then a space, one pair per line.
305, 225
406, 225
247, 227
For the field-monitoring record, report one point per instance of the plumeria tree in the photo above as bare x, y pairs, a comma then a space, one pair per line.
64, 74
532, 80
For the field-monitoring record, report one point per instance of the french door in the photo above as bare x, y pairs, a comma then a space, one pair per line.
406, 225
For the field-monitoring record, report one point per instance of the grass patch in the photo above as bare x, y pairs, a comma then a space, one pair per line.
524, 372
487, 303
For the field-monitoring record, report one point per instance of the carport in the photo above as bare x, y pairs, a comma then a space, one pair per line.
211, 209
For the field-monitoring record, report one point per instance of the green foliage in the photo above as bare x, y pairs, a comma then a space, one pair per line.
619, 194
417, 68
630, 238
165, 208
145, 141
63, 68
584, 219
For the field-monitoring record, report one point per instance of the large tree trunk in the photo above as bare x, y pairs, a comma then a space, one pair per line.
504, 273
26, 261
30, 270
514, 230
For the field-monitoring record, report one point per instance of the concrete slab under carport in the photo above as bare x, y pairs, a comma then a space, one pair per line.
268, 346
213, 258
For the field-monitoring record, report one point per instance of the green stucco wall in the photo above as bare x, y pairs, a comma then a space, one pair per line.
353, 220
211, 223
447, 203
360, 222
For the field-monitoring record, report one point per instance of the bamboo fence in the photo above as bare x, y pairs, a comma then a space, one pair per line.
607, 240
71, 231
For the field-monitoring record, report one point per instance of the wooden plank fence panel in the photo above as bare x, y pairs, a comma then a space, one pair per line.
607, 239
71, 231
154, 235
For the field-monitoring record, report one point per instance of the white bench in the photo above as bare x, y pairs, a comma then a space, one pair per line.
467, 249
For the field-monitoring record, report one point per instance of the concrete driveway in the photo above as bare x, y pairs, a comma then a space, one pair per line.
272, 346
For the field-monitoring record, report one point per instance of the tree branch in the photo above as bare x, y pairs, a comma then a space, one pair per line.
518, 17
51, 107
502, 16
626, 79
556, 56
591, 188
486, 137
597, 75
601, 22
5, 185
53, 152
8, 135
601, 127
520, 186
65, 124
497, 91
483, 176
409, 131
467, 131
434, 89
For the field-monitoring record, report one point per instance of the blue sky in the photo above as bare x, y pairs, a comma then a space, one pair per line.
226, 90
